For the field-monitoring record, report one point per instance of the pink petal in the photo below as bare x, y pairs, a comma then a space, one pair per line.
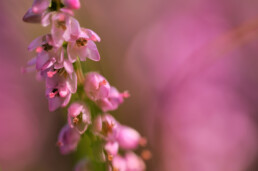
92, 35
72, 83
72, 52
112, 148
75, 109
42, 59
68, 66
63, 91
72, 4
45, 21
74, 27
31, 17
66, 100
35, 43
40, 6
54, 103
92, 51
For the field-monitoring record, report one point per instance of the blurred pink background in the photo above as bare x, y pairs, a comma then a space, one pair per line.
193, 85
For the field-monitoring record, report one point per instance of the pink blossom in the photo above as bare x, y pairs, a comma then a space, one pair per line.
112, 147
134, 162
34, 14
68, 139
82, 44
59, 89
128, 138
72, 4
119, 163
96, 86
114, 99
106, 126
79, 117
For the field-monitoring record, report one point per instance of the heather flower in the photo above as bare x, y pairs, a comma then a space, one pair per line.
96, 86
82, 44
111, 148
68, 139
134, 162
59, 89
119, 163
79, 117
128, 138
114, 99
60, 28
72, 4
34, 14
106, 126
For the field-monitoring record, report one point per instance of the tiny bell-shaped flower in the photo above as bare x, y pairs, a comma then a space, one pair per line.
68, 139
114, 99
79, 117
59, 90
96, 86
134, 162
34, 14
128, 138
106, 126
111, 148
82, 43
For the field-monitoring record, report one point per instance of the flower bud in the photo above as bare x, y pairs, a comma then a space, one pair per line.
72, 4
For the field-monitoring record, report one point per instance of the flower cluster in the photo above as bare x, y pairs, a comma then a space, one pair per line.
57, 62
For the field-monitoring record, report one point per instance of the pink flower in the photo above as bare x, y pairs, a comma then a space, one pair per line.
79, 117
68, 139
59, 89
119, 163
72, 4
106, 126
34, 14
111, 148
82, 44
134, 162
114, 99
128, 138
96, 86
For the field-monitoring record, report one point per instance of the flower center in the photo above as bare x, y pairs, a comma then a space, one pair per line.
47, 47
77, 119
81, 42
61, 24
107, 128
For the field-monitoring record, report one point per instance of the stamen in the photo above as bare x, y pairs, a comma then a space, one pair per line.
59, 144
110, 157
143, 141
107, 128
146, 155
61, 24
39, 49
81, 42
53, 93
47, 47
75, 121
50, 74
104, 82
125, 94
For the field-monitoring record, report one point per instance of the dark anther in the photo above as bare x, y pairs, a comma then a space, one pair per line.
47, 47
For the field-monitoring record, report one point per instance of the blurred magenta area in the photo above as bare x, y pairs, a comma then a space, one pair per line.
191, 68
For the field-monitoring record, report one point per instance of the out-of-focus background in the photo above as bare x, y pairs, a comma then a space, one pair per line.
191, 68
